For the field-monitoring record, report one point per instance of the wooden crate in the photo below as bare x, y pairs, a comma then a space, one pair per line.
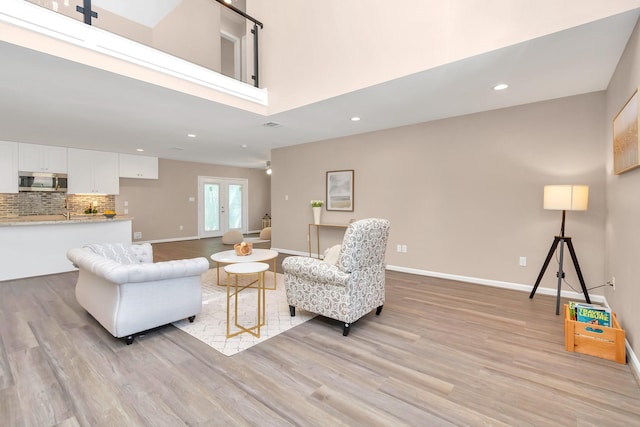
594, 340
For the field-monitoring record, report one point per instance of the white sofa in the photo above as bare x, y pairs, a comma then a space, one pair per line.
124, 290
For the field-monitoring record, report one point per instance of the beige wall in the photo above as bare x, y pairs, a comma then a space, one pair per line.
366, 42
119, 25
623, 204
160, 206
192, 32
464, 194
106, 20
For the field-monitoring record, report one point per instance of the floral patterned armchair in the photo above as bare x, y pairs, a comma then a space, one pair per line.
351, 288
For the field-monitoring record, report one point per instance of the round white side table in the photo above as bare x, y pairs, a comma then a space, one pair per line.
258, 255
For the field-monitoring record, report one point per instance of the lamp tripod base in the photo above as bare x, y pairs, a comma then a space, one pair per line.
561, 240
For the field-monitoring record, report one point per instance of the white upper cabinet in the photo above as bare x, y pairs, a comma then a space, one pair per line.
93, 172
8, 167
142, 167
42, 158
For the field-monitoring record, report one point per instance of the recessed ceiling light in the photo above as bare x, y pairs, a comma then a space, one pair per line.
243, 146
501, 86
355, 119
140, 149
191, 135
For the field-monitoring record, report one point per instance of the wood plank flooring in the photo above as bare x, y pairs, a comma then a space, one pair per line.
442, 353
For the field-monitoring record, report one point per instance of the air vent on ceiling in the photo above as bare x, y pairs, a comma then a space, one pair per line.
272, 125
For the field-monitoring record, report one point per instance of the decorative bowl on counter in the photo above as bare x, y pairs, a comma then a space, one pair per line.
109, 214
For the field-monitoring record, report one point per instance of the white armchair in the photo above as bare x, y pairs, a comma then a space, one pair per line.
349, 289
126, 292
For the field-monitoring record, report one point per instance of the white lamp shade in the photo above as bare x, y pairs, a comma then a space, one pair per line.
566, 197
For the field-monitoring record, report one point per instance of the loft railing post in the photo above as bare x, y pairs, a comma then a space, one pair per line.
86, 11
255, 56
254, 31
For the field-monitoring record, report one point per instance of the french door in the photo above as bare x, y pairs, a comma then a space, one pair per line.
222, 206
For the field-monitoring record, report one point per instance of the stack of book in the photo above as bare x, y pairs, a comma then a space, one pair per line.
590, 313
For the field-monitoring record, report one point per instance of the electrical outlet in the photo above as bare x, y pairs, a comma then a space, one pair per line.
523, 261
126, 211
399, 248
137, 235
404, 248
181, 227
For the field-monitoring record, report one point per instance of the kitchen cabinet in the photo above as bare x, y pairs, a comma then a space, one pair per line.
92, 172
142, 167
42, 158
36, 248
8, 167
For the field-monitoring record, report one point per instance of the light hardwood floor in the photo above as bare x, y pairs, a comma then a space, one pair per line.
442, 353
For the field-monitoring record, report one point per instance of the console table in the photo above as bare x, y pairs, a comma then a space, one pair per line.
318, 227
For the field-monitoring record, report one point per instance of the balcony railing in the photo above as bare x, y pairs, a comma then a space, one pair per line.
212, 34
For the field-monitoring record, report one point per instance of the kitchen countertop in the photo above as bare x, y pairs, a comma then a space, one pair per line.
37, 245
58, 219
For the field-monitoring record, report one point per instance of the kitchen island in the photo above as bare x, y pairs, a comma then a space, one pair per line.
37, 245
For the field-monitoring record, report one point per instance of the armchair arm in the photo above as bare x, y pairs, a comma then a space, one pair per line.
315, 270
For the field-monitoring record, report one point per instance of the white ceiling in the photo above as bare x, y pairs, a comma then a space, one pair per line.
48, 100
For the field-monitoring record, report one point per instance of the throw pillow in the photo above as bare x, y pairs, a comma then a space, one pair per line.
331, 255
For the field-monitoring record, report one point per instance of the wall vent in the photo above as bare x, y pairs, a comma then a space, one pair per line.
272, 125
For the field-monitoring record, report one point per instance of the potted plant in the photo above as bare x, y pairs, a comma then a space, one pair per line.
316, 206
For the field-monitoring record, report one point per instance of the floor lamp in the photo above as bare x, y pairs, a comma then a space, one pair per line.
564, 198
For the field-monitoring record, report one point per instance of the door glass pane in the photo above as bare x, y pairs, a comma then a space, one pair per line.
235, 206
211, 207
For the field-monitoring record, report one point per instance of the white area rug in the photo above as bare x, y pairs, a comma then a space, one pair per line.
210, 325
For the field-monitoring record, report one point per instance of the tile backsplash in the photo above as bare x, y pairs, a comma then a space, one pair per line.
43, 203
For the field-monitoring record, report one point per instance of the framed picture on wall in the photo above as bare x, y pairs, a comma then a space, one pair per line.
340, 190
626, 154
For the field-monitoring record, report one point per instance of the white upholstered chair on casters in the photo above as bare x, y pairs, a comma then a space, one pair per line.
352, 287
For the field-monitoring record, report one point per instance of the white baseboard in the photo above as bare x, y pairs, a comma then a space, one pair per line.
290, 252
633, 361
631, 357
175, 239
494, 283
179, 239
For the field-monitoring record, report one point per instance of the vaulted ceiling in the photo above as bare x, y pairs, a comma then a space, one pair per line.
48, 100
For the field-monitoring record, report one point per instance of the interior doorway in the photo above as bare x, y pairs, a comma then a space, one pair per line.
222, 205
231, 59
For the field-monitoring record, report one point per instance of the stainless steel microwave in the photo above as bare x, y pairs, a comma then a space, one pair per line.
38, 181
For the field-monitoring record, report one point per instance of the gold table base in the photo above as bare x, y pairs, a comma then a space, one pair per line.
258, 269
